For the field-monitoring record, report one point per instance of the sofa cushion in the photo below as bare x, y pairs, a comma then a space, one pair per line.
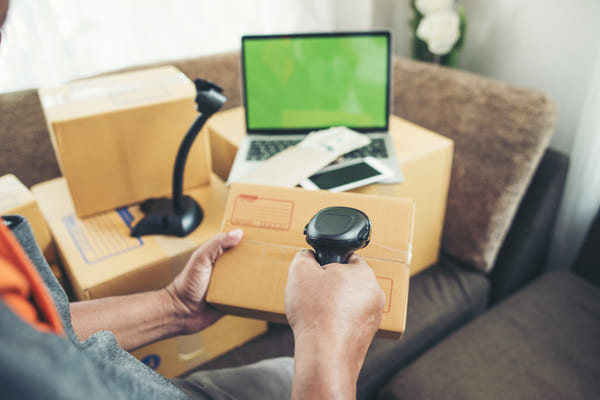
500, 133
542, 343
442, 298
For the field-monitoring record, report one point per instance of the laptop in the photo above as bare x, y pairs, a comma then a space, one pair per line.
298, 83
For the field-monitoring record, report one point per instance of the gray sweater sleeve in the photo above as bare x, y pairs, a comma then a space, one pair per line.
41, 365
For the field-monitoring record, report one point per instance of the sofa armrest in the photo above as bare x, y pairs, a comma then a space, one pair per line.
523, 253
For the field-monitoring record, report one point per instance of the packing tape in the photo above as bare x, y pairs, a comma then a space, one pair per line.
392, 255
120, 91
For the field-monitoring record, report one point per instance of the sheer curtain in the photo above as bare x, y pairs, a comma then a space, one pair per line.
581, 201
49, 42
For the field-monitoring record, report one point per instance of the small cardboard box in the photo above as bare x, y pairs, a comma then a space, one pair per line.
425, 158
250, 279
116, 137
100, 259
15, 198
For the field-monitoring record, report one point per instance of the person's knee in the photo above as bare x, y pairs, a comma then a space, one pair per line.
271, 378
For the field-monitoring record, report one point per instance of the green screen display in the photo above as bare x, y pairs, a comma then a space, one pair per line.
313, 82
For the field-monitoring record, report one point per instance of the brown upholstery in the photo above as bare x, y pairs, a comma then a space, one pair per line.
25, 148
500, 133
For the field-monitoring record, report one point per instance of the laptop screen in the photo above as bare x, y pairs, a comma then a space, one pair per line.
298, 83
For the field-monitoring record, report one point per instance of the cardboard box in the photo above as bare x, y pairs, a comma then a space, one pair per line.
15, 198
250, 279
425, 158
101, 259
59, 274
176, 356
116, 137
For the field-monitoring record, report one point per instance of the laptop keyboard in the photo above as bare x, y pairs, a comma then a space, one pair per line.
261, 150
375, 149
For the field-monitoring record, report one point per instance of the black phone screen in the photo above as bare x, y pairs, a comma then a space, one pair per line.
344, 175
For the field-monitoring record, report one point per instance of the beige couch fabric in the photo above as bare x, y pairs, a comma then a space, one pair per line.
500, 133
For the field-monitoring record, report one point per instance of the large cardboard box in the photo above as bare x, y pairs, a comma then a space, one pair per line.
250, 279
116, 137
176, 356
16, 198
101, 259
425, 158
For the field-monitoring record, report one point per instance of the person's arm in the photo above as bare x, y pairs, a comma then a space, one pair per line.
334, 312
180, 308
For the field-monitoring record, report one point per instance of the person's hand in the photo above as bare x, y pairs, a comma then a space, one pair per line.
188, 289
334, 312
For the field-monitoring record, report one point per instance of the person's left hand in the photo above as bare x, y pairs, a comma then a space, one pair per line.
188, 289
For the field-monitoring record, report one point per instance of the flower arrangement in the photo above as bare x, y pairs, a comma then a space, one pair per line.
439, 28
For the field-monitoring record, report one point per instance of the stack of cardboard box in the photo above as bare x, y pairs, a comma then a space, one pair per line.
116, 138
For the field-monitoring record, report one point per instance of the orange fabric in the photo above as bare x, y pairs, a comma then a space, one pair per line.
22, 288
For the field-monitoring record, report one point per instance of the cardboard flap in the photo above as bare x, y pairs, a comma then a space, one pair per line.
115, 92
276, 215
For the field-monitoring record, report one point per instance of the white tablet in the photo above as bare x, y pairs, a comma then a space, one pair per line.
348, 175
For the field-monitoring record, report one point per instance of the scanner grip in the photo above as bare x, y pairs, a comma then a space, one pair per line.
327, 255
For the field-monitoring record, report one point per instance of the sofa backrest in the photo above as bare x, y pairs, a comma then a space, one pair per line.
500, 133
25, 149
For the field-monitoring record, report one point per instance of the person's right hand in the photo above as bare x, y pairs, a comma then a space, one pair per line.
334, 312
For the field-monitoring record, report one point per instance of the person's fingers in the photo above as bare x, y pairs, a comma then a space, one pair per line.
305, 255
231, 238
213, 248
304, 260
355, 259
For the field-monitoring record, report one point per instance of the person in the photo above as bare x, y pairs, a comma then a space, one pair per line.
50, 348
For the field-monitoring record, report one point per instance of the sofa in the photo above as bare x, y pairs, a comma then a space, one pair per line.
505, 189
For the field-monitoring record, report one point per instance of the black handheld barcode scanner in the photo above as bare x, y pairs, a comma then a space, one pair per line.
336, 232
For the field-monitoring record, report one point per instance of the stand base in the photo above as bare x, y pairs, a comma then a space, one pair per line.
162, 218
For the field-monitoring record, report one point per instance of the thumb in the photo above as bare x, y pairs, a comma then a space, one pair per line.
210, 251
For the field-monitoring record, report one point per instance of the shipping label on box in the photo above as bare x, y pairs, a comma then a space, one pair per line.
15, 198
250, 279
101, 259
116, 137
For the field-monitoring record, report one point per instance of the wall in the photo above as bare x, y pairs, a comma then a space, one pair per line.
551, 45
49, 42
545, 44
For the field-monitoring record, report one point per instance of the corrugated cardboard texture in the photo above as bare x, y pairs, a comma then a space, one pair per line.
174, 357
100, 256
15, 198
116, 137
250, 279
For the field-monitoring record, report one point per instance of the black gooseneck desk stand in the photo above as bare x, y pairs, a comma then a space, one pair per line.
180, 215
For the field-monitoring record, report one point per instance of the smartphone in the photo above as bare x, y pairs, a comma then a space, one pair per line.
348, 175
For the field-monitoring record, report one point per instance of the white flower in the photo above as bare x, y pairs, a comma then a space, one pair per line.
427, 7
440, 31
